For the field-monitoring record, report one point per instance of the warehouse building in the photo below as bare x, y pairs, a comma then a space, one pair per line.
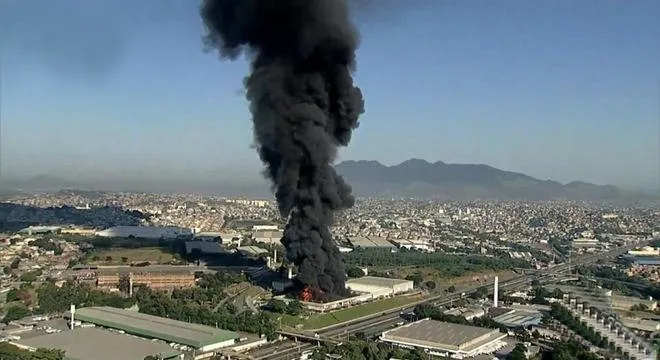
146, 232
153, 280
442, 339
517, 318
202, 339
371, 242
380, 287
99, 344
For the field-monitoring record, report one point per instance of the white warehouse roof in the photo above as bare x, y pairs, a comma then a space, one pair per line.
378, 281
146, 232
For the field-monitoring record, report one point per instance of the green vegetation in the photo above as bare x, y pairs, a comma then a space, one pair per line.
293, 307
127, 256
429, 311
47, 245
206, 304
53, 299
16, 312
366, 350
446, 265
11, 352
612, 278
30, 276
319, 321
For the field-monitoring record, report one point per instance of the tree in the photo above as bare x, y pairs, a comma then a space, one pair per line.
354, 272
124, 259
451, 289
14, 263
15, 312
12, 295
6, 270
518, 352
294, 307
416, 278
108, 258
124, 284
277, 305
430, 285
30, 276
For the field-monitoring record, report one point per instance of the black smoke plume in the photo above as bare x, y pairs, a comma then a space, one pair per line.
304, 105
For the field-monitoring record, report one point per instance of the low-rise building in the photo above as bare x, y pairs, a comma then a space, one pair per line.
201, 338
442, 338
380, 287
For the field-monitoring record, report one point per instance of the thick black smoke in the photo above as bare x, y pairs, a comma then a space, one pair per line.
304, 105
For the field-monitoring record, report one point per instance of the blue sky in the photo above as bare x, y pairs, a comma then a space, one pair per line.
560, 89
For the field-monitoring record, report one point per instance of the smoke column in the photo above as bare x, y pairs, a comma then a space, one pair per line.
304, 105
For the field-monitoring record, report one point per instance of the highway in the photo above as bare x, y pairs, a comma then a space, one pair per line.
377, 323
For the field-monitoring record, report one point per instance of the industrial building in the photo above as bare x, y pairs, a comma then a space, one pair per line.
146, 232
160, 281
252, 251
442, 338
203, 339
467, 313
512, 318
380, 287
205, 247
98, 344
417, 244
370, 242
268, 236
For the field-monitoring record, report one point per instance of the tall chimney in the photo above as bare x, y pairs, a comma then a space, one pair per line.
130, 284
275, 257
239, 242
268, 262
72, 310
495, 291
290, 276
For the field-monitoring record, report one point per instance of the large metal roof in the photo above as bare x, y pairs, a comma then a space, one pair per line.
156, 327
98, 344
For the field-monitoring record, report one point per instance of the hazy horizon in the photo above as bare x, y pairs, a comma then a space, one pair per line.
122, 91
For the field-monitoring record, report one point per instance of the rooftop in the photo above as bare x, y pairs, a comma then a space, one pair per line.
98, 344
156, 327
370, 242
252, 250
442, 335
519, 318
377, 281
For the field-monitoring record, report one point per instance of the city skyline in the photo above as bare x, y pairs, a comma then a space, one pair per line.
560, 91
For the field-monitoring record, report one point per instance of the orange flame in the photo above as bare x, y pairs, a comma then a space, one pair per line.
307, 295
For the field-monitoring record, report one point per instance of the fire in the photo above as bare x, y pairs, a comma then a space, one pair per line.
307, 294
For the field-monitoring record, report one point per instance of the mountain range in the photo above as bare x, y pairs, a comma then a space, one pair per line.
418, 178
414, 178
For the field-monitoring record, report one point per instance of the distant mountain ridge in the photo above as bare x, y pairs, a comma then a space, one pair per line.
419, 178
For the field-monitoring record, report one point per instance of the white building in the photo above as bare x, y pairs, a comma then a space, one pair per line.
645, 251
146, 232
379, 287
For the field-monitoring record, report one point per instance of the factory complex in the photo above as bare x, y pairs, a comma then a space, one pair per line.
367, 288
442, 338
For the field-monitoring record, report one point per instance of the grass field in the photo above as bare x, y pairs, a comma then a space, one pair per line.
126, 256
318, 321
